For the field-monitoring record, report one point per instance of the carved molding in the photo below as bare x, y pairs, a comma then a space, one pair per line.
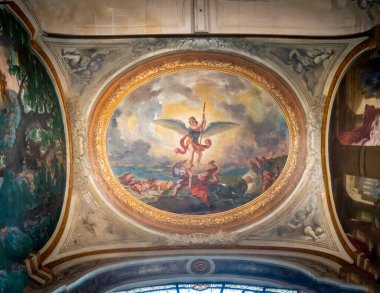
249, 46
201, 238
35, 269
79, 131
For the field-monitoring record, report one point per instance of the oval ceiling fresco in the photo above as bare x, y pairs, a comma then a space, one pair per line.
197, 141
190, 140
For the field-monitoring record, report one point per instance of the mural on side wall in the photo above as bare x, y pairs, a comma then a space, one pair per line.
356, 122
363, 188
367, 133
197, 142
32, 154
364, 101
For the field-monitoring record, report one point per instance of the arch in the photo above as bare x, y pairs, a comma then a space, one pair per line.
348, 157
189, 269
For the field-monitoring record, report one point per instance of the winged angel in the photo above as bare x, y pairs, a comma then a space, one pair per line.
191, 140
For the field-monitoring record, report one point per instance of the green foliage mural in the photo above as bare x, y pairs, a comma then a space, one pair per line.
32, 153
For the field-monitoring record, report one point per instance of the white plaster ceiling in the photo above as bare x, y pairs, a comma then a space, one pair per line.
270, 17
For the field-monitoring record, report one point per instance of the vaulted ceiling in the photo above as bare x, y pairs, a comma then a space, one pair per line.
270, 70
147, 17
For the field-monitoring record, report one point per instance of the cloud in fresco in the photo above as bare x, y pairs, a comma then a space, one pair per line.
133, 138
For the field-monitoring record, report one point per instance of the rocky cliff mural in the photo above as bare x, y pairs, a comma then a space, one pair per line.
32, 153
197, 142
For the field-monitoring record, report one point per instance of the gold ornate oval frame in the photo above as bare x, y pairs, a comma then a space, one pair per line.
178, 61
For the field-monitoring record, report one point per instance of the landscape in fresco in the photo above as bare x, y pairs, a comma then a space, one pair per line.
197, 142
32, 154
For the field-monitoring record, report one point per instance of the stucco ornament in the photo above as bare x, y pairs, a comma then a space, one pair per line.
83, 63
314, 125
307, 62
79, 130
371, 7
201, 238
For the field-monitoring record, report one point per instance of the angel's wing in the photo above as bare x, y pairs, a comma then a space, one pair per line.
173, 124
217, 127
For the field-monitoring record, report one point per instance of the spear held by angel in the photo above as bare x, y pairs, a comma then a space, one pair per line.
192, 135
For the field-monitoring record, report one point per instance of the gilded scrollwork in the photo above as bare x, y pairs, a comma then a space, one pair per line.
193, 61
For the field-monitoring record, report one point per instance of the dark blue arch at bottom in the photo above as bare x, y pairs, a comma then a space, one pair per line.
235, 270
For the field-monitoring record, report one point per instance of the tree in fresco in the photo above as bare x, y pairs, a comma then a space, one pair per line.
40, 115
32, 155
